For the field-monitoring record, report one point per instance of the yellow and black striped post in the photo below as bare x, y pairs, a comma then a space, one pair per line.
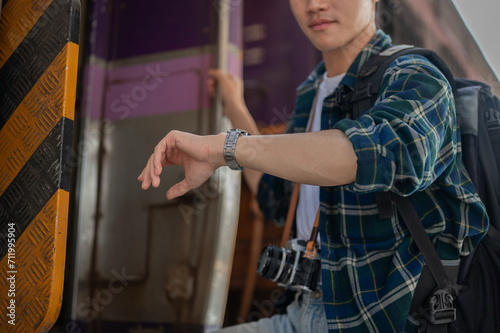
38, 70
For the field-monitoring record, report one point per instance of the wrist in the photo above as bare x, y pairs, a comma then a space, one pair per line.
217, 153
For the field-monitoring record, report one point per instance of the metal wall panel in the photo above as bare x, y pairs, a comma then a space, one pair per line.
38, 69
143, 263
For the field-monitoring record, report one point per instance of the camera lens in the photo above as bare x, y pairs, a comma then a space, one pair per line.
289, 267
270, 261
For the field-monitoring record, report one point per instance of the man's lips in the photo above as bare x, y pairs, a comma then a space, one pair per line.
320, 24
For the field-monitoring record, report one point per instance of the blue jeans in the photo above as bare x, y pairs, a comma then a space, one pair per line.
305, 314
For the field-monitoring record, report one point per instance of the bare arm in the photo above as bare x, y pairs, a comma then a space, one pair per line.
323, 158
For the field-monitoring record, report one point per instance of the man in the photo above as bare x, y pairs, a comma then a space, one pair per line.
406, 143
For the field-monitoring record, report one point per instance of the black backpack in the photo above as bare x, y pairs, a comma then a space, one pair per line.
465, 298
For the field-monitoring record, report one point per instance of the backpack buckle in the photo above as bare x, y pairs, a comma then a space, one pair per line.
492, 120
363, 93
441, 308
338, 97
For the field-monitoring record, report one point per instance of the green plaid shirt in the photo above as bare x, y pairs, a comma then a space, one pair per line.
408, 143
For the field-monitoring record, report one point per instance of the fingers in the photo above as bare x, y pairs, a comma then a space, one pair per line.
178, 190
230, 86
215, 73
140, 178
157, 162
148, 175
155, 180
151, 173
179, 148
145, 178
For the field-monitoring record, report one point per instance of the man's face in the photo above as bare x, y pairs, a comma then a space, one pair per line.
333, 24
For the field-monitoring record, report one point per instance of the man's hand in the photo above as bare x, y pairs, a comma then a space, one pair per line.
231, 91
200, 157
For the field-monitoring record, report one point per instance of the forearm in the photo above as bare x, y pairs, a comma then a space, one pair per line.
324, 158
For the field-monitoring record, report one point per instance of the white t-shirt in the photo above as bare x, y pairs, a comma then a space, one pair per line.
308, 203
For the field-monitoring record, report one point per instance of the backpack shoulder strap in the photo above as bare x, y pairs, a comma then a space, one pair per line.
367, 85
441, 309
421, 238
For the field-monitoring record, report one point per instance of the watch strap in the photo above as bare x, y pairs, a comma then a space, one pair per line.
230, 146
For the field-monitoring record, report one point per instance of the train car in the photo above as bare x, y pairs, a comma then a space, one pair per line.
142, 263
87, 89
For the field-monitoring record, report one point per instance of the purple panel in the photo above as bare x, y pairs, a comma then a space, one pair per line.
175, 93
153, 26
168, 86
234, 64
157, 88
277, 57
93, 85
236, 22
97, 41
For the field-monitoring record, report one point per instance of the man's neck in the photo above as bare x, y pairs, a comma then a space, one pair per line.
339, 60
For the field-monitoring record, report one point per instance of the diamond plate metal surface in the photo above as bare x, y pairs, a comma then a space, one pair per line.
38, 69
35, 117
18, 17
33, 56
39, 266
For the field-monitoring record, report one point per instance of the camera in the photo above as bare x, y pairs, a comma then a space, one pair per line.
289, 267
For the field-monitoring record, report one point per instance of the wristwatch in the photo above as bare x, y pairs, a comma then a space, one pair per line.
229, 147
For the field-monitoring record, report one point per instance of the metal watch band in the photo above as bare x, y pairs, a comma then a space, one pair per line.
230, 146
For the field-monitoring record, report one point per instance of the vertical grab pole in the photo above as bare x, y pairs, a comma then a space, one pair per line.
228, 182
222, 63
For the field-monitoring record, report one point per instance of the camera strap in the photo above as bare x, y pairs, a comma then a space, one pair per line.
311, 245
291, 214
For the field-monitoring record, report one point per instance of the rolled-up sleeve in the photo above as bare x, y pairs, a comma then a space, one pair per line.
409, 137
